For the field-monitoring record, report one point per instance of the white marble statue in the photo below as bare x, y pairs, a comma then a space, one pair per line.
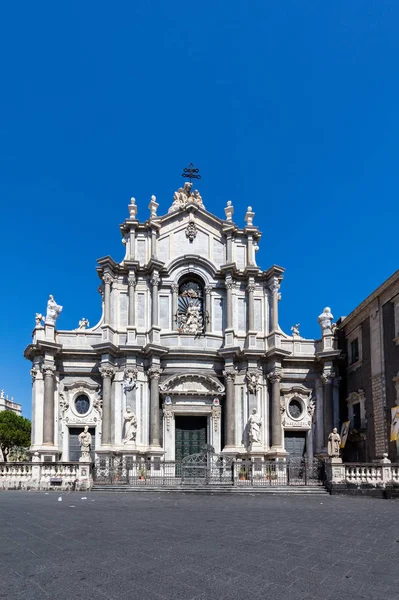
39, 318
191, 322
85, 444
53, 311
334, 443
83, 324
129, 380
184, 195
254, 425
130, 423
253, 384
325, 321
295, 329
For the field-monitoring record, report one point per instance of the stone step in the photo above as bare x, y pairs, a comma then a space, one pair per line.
295, 489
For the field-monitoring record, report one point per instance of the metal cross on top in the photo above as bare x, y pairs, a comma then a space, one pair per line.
191, 172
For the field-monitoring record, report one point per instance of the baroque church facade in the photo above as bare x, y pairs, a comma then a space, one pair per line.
188, 352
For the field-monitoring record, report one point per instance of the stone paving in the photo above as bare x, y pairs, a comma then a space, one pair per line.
170, 546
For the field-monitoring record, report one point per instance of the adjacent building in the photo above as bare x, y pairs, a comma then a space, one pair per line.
6, 404
188, 351
369, 339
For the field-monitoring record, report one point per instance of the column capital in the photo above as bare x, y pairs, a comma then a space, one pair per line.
131, 280
107, 371
230, 283
34, 372
230, 373
208, 289
274, 376
327, 376
155, 279
175, 288
274, 285
107, 278
154, 372
48, 370
251, 287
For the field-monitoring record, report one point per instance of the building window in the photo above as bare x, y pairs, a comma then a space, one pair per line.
295, 409
82, 404
354, 351
190, 311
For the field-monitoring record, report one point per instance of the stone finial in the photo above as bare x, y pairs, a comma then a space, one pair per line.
153, 206
249, 217
325, 321
229, 211
39, 318
132, 208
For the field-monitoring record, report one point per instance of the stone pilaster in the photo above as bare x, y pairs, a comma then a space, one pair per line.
132, 286
107, 373
208, 308
48, 404
275, 378
229, 302
250, 290
327, 379
229, 419
154, 374
175, 290
108, 280
155, 281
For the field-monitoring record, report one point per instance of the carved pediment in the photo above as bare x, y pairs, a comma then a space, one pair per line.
191, 384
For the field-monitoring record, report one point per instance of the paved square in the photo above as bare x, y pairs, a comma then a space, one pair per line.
183, 546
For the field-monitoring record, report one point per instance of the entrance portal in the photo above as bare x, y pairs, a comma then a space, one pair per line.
191, 435
295, 443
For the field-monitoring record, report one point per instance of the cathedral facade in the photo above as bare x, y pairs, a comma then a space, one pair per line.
188, 352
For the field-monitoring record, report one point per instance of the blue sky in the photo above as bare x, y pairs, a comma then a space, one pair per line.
290, 107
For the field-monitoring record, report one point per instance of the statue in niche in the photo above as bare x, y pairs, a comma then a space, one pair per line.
85, 444
53, 311
129, 380
191, 322
334, 443
130, 423
254, 425
325, 321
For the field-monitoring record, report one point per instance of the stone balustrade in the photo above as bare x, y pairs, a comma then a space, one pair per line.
44, 476
364, 473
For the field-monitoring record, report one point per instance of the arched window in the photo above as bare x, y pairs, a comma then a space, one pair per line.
190, 308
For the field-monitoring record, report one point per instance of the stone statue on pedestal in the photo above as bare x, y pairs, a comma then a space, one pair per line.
85, 444
130, 426
254, 425
325, 321
53, 311
334, 444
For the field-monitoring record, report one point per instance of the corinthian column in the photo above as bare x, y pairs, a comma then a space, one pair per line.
275, 378
274, 288
132, 285
107, 279
175, 290
48, 404
107, 373
229, 375
327, 379
154, 313
154, 374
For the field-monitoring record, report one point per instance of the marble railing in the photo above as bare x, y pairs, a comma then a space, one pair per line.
37, 475
364, 473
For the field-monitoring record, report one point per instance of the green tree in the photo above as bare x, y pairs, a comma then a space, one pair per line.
14, 432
